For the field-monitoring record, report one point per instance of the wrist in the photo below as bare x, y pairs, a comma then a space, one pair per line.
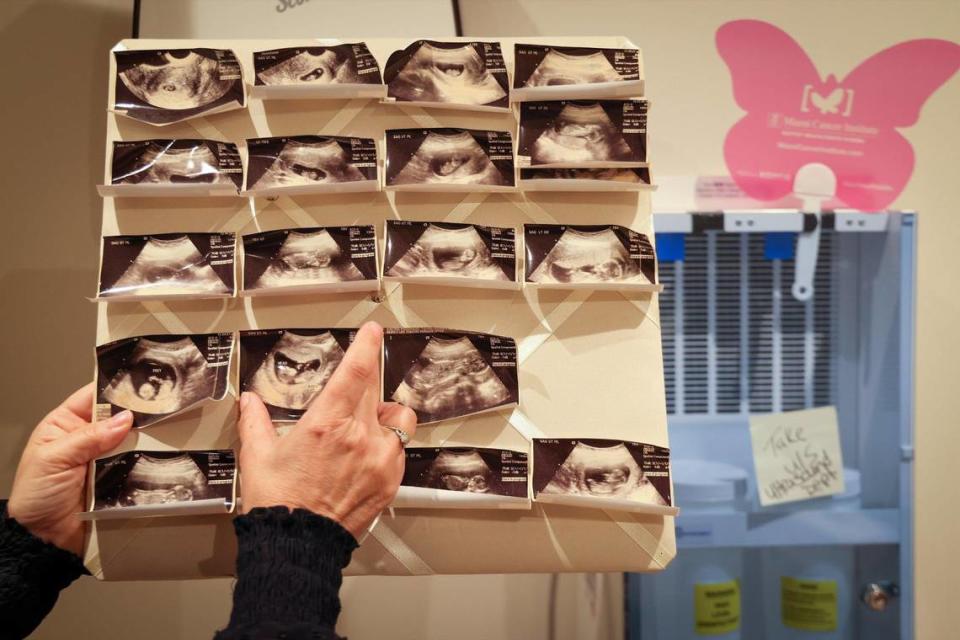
295, 556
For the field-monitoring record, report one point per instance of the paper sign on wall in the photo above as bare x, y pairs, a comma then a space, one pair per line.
797, 455
797, 117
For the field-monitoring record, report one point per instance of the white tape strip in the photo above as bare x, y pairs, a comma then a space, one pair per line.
519, 420
466, 207
295, 212
418, 115
535, 212
206, 129
640, 535
551, 321
166, 317
561, 554
345, 116
396, 547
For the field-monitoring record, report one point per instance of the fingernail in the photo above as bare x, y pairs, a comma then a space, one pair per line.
119, 421
244, 400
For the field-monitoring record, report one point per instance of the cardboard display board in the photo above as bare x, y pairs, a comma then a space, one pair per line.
590, 362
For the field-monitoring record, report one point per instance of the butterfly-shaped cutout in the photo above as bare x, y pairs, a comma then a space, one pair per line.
795, 117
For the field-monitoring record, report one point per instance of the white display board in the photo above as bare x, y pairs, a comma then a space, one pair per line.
590, 361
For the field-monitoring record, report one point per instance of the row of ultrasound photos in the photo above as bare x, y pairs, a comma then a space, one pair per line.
300, 165
160, 86
338, 259
465, 477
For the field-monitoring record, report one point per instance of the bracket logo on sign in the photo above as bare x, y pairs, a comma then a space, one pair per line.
797, 118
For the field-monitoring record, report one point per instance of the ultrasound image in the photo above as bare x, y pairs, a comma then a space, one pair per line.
453, 158
588, 255
607, 469
167, 265
333, 64
327, 66
157, 376
467, 470
288, 368
448, 73
309, 257
175, 162
561, 68
152, 478
447, 250
165, 86
580, 134
574, 70
446, 375
309, 161
588, 134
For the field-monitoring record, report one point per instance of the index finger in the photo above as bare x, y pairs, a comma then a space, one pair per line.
359, 371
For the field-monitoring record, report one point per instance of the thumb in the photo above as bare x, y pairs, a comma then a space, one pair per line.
255, 427
83, 445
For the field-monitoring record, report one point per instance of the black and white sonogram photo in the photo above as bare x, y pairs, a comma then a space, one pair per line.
582, 133
590, 255
467, 470
169, 265
611, 469
160, 375
150, 478
444, 374
450, 251
452, 159
162, 86
340, 64
321, 257
536, 65
585, 179
176, 162
324, 162
452, 74
288, 368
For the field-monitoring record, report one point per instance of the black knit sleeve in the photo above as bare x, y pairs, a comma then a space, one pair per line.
32, 574
289, 572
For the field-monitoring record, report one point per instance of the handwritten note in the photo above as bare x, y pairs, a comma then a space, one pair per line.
797, 455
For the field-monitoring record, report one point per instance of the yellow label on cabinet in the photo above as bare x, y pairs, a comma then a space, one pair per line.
808, 605
716, 607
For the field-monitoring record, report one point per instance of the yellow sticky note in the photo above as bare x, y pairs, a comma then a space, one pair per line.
716, 607
808, 605
797, 455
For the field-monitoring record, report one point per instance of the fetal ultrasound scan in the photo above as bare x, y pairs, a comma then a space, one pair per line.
449, 160
597, 256
450, 254
164, 86
165, 478
313, 258
170, 265
542, 71
449, 74
587, 134
611, 179
471, 470
161, 375
288, 368
605, 469
443, 374
311, 164
174, 167
339, 64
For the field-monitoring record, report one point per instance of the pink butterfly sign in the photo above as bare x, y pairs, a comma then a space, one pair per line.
795, 117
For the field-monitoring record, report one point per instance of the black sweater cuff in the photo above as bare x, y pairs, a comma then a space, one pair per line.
32, 574
289, 572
